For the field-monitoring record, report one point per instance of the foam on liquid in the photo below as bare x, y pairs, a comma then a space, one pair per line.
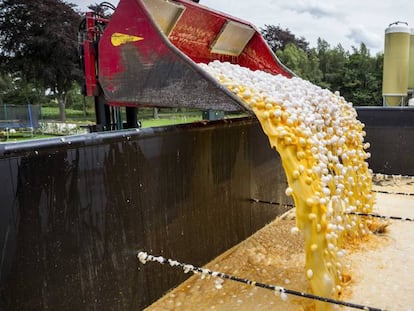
321, 145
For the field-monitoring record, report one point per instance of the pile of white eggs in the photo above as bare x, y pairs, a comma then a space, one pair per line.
324, 119
328, 171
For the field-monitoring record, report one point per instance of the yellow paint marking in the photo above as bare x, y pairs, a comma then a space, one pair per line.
118, 39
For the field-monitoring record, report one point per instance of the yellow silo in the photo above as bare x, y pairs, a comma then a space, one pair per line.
411, 63
396, 59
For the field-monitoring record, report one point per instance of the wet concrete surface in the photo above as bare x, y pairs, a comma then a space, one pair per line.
381, 266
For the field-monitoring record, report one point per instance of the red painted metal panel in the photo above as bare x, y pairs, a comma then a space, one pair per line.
130, 18
198, 28
163, 72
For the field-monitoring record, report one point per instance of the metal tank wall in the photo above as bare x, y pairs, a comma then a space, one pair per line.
76, 210
396, 59
411, 63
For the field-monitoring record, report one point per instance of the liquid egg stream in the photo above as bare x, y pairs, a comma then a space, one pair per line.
322, 149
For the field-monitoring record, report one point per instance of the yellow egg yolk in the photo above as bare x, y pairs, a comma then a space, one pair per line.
321, 146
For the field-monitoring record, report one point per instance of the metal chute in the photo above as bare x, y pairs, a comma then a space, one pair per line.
149, 51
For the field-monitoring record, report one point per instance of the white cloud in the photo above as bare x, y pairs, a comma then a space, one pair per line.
359, 34
347, 22
315, 9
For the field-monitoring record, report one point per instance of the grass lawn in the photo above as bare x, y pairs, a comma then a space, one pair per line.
165, 117
20, 137
52, 113
169, 121
144, 115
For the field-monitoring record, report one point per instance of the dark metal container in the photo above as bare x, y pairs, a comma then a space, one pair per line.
75, 210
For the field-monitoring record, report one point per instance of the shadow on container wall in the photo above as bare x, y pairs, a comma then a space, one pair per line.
77, 209
390, 132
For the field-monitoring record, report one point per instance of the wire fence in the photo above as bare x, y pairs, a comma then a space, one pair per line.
19, 117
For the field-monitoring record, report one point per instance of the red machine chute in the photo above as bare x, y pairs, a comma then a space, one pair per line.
149, 50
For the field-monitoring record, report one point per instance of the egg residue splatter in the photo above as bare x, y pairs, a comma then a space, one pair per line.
321, 145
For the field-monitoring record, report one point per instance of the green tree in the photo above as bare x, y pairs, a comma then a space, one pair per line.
16, 91
357, 75
378, 72
305, 65
5, 85
313, 72
278, 38
332, 64
38, 42
293, 57
361, 84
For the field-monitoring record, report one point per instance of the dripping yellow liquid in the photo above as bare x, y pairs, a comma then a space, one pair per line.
322, 208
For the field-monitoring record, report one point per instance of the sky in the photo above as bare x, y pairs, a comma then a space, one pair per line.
346, 22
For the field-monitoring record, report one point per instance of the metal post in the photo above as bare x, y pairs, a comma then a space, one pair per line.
131, 117
29, 109
102, 112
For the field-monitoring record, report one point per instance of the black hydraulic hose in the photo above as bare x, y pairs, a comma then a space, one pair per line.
107, 5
